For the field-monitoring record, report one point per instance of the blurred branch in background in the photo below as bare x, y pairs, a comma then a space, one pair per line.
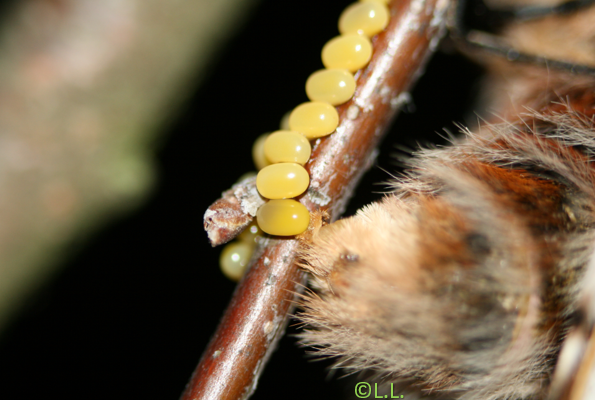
85, 86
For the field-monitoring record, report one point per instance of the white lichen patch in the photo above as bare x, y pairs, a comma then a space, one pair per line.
209, 213
385, 94
401, 100
352, 112
319, 197
268, 328
250, 199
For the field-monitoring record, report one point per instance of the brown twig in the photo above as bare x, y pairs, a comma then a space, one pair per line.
255, 318
229, 215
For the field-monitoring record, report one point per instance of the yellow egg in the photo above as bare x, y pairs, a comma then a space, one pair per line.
258, 156
366, 19
350, 52
314, 119
234, 259
284, 125
282, 181
333, 86
287, 146
283, 217
250, 234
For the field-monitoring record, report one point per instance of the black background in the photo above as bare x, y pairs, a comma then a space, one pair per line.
131, 311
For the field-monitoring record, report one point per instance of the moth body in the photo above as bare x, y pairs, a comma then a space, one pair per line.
463, 282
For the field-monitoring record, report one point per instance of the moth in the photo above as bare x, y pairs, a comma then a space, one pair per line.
473, 278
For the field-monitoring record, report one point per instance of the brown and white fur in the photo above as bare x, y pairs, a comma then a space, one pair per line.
465, 280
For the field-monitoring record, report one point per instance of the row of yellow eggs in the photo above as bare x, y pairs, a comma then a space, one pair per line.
280, 156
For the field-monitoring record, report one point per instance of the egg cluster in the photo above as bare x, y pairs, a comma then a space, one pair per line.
281, 155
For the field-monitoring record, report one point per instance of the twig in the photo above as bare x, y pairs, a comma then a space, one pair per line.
255, 319
229, 215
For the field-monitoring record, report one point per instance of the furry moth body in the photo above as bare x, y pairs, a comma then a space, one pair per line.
463, 283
